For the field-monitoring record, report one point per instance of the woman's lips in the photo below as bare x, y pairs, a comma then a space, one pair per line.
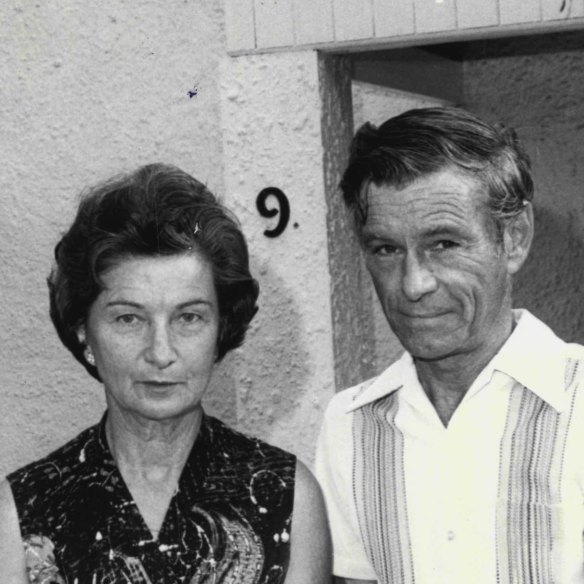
157, 383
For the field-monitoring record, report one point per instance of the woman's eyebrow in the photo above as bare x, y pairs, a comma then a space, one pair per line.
124, 303
132, 304
196, 301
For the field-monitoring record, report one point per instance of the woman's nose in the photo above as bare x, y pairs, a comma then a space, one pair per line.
160, 350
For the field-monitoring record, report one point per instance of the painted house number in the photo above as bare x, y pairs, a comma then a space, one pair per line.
281, 209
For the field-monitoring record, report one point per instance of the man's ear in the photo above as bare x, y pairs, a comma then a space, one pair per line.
517, 238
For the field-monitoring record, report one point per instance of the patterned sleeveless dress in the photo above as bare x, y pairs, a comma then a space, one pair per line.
228, 522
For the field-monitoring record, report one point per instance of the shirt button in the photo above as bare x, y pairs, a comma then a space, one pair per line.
450, 535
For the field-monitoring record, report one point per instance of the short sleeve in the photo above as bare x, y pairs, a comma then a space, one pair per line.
334, 462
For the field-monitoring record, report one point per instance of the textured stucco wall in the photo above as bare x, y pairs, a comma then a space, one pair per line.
272, 136
354, 345
536, 84
86, 89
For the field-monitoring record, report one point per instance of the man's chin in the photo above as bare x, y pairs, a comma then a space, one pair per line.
432, 351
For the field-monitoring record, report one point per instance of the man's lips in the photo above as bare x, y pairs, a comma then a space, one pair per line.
422, 315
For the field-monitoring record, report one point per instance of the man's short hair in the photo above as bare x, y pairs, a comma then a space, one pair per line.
422, 141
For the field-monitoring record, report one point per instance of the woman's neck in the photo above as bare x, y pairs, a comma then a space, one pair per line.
151, 446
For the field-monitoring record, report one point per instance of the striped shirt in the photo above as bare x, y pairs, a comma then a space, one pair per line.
495, 497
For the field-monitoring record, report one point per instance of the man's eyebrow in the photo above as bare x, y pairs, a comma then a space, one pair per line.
372, 235
442, 230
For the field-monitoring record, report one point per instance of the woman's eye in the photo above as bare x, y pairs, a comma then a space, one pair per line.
190, 317
127, 319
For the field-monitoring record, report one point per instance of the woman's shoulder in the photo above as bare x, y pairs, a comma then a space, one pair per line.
239, 454
224, 435
56, 465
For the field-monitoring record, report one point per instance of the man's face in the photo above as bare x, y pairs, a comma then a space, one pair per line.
441, 275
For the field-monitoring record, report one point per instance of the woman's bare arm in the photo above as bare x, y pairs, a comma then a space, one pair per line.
12, 566
310, 555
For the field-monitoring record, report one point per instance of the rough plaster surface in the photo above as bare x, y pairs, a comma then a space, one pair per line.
272, 136
87, 89
535, 84
354, 346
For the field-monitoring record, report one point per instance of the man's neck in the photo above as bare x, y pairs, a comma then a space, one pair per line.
446, 381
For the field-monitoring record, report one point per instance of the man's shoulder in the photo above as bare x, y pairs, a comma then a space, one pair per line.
574, 364
348, 399
574, 351
342, 401
571, 353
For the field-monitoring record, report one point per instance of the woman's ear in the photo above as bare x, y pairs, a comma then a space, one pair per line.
81, 334
517, 238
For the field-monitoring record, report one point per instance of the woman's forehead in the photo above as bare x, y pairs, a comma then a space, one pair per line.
159, 279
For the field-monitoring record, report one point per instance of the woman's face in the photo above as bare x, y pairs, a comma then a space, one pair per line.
153, 331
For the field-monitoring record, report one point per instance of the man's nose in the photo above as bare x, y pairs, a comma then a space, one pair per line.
417, 278
160, 350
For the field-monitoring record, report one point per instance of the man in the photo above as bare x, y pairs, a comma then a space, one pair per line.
464, 461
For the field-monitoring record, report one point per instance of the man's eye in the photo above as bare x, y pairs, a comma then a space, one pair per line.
445, 244
384, 250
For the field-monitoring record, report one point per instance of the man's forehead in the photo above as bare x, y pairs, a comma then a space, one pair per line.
446, 190
443, 202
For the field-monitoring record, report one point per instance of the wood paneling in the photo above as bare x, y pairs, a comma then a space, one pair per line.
475, 13
274, 23
353, 19
433, 15
239, 24
393, 17
313, 21
261, 25
519, 11
561, 9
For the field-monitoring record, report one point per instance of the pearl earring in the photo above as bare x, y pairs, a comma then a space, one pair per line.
89, 356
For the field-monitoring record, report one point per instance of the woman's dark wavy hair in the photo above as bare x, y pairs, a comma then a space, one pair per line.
422, 141
157, 210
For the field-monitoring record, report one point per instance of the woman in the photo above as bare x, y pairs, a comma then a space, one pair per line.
150, 289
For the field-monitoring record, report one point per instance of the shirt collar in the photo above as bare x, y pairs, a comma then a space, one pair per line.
532, 356
392, 379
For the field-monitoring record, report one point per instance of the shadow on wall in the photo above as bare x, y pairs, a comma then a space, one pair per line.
262, 384
551, 282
